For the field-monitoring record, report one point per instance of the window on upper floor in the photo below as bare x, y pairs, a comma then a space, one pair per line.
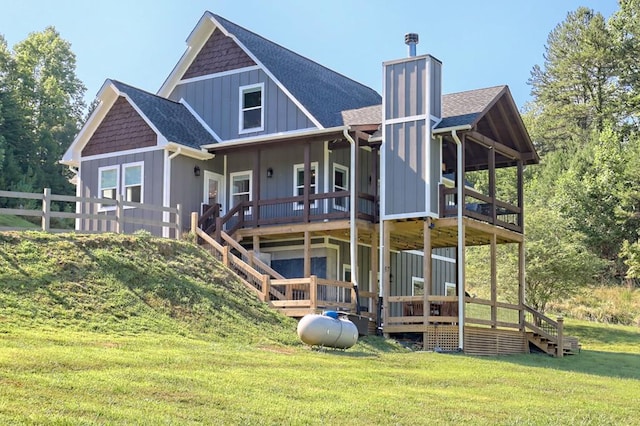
108, 179
251, 108
340, 183
133, 181
298, 184
241, 186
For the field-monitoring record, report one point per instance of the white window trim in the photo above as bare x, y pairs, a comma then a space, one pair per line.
342, 292
124, 187
102, 169
345, 170
314, 204
241, 110
414, 281
232, 194
448, 286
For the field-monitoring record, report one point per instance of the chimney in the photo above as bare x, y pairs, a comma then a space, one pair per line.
411, 39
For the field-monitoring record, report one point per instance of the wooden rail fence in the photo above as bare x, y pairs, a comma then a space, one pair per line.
116, 216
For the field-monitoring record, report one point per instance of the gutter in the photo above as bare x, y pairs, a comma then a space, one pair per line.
275, 137
353, 236
460, 251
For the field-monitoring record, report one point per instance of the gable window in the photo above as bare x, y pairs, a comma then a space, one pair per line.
251, 108
241, 185
298, 184
340, 183
133, 181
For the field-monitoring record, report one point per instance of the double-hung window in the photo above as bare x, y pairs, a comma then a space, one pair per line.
126, 179
132, 183
251, 108
108, 179
241, 186
340, 183
298, 184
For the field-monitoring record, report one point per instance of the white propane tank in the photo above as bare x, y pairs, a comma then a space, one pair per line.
327, 330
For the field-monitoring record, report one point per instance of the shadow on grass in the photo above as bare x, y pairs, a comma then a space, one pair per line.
600, 363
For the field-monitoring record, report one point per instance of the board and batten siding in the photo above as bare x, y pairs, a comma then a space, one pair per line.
188, 189
410, 162
281, 160
152, 189
217, 101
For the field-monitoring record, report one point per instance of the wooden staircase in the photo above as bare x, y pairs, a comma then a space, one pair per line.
548, 335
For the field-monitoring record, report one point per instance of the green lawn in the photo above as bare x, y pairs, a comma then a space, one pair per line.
89, 335
15, 222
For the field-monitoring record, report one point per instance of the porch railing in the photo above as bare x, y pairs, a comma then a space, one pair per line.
325, 206
296, 294
481, 207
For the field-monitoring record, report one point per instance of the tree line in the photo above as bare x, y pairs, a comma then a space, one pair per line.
583, 200
41, 109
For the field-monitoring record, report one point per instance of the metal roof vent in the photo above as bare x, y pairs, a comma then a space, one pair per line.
411, 39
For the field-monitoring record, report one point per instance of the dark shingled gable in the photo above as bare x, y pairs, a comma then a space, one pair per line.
323, 92
172, 119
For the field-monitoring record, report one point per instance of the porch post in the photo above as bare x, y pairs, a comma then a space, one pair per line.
460, 258
520, 193
307, 180
353, 216
426, 268
386, 276
521, 283
374, 182
307, 254
373, 285
256, 187
492, 183
494, 291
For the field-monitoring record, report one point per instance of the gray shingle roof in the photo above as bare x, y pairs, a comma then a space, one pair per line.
457, 108
464, 107
323, 92
172, 119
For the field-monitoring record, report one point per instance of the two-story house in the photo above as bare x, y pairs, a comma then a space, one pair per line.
347, 199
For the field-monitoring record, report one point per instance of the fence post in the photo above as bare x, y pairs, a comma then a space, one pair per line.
194, 222
218, 236
178, 221
225, 256
560, 344
119, 214
266, 287
46, 209
313, 292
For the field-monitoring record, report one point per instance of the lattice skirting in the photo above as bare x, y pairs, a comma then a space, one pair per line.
444, 337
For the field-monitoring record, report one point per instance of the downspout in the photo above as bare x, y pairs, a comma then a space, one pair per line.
353, 212
460, 256
166, 194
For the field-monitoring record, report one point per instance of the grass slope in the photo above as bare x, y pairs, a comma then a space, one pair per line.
128, 284
134, 330
15, 222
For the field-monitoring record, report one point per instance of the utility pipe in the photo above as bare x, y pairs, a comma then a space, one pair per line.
460, 256
353, 212
166, 193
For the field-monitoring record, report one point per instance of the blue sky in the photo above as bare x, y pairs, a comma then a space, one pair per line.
481, 43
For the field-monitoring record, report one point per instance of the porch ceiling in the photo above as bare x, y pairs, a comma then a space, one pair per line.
408, 235
405, 235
